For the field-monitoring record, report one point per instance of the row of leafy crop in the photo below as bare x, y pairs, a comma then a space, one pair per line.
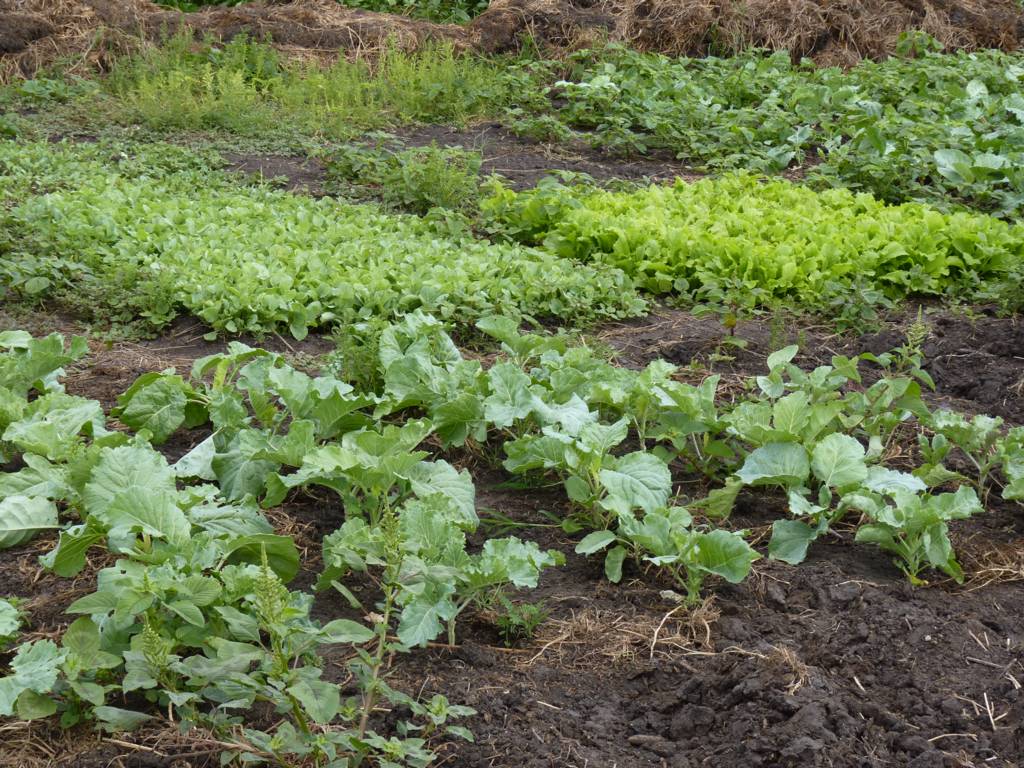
257, 259
158, 232
822, 437
195, 619
945, 128
942, 128
743, 240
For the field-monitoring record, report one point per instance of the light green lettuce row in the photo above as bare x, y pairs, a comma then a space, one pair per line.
774, 239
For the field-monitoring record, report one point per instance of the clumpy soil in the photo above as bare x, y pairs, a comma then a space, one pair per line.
521, 162
836, 663
976, 358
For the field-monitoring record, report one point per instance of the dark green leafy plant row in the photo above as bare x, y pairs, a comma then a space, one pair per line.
195, 618
946, 128
256, 259
747, 241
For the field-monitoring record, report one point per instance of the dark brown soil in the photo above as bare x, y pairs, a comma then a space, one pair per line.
522, 162
976, 361
298, 174
836, 663
525, 162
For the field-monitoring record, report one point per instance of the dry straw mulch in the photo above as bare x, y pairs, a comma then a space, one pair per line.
85, 35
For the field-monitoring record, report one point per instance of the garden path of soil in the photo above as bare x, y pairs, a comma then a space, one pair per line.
834, 663
522, 162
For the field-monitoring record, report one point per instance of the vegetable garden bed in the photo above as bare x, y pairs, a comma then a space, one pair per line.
837, 661
362, 457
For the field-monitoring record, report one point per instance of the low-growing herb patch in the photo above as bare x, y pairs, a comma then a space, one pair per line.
247, 88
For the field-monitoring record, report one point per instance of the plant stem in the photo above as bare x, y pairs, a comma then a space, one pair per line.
378, 662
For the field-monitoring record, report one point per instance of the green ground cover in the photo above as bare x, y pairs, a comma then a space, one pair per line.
160, 234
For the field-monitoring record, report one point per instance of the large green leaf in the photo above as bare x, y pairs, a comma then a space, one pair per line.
510, 399
53, 424
939, 551
537, 452
600, 438
319, 699
838, 461
954, 165
38, 478
198, 462
594, 542
725, 554
637, 480
238, 471
441, 478
776, 464
346, 631
36, 363
517, 561
956, 506
151, 513
791, 413
790, 540
613, 564
422, 617
282, 554
457, 419
883, 479
68, 559
155, 401
127, 467
22, 517
572, 415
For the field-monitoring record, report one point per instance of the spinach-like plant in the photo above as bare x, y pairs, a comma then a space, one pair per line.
600, 483
423, 563
914, 527
667, 538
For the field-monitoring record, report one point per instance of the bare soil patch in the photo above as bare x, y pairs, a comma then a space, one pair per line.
522, 162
